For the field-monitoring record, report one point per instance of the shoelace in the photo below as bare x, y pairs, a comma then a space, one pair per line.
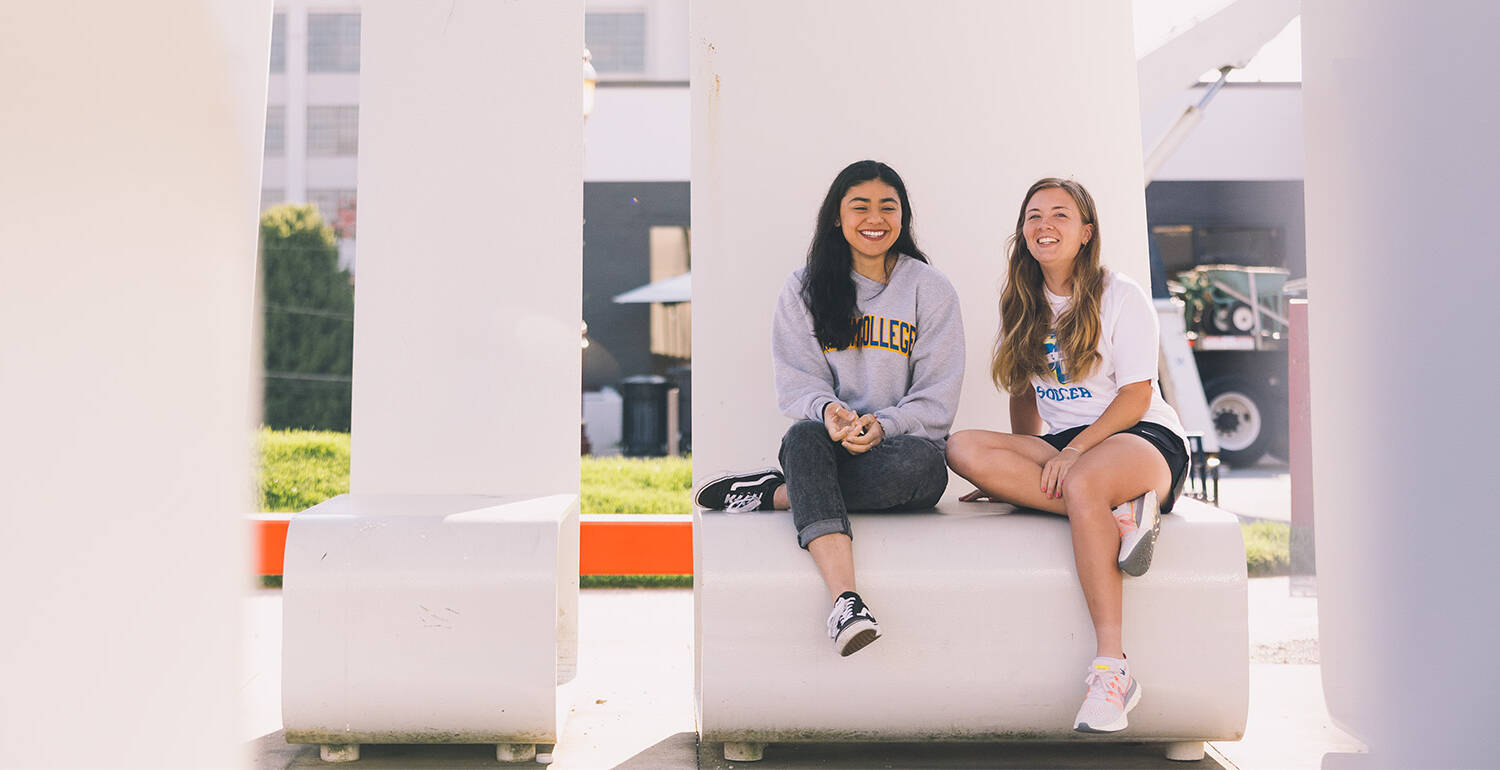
1106, 686
747, 502
1125, 518
843, 609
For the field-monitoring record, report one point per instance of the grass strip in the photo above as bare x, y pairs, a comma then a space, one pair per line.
635, 581
636, 485
301, 468
1267, 548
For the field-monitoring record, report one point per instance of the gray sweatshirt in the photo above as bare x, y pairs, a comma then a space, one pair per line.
907, 365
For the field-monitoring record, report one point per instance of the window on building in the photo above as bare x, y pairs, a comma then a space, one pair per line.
337, 209
671, 323
617, 42
1183, 247
275, 129
271, 197
1234, 245
333, 42
1174, 244
332, 131
278, 43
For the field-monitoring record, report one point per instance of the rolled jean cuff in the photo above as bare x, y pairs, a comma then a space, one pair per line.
823, 527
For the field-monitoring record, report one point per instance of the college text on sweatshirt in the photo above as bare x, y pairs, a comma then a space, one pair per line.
891, 334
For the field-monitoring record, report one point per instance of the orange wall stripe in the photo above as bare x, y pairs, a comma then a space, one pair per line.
616, 545
269, 538
608, 544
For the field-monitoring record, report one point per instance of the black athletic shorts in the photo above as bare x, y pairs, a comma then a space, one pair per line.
1171, 446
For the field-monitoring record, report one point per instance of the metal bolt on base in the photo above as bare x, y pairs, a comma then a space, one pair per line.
1185, 751
515, 752
339, 752
744, 751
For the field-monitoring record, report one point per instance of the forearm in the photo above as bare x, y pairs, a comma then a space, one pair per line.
1127, 409
1024, 418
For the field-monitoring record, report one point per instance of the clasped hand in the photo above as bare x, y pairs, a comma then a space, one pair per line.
856, 433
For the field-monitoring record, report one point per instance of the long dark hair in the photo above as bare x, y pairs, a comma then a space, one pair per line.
827, 286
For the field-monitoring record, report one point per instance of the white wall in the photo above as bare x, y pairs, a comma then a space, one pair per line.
639, 134
787, 93
131, 151
468, 309
1248, 132
1402, 177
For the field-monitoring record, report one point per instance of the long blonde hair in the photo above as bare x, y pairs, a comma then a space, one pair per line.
1026, 317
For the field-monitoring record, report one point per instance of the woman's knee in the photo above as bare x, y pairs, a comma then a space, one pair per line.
932, 478
961, 449
804, 431
1082, 489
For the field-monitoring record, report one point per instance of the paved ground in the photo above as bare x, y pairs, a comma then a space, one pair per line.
631, 705
1260, 492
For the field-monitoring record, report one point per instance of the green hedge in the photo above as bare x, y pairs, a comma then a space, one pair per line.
301, 468
636, 485
1267, 548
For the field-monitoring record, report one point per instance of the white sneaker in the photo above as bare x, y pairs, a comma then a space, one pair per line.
1140, 523
1113, 692
850, 625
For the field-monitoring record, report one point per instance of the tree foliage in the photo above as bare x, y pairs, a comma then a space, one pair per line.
309, 321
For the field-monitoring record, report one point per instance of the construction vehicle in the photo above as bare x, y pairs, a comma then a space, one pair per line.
1237, 327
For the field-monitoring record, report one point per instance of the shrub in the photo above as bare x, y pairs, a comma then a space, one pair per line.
636, 485
309, 321
1267, 548
299, 469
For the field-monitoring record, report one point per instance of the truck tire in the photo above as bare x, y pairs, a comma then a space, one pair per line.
1237, 318
1242, 417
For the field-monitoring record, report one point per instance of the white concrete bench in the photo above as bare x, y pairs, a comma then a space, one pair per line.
986, 634
429, 619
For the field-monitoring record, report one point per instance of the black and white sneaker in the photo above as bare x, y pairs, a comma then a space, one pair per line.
850, 625
740, 492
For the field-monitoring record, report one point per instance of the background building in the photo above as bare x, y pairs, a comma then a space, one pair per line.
1231, 192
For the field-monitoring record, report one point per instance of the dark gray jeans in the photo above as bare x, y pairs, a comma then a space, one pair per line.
824, 481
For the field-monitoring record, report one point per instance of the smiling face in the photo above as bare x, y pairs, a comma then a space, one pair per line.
1053, 228
870, 216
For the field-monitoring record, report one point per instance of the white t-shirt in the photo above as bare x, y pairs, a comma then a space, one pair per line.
1128, 347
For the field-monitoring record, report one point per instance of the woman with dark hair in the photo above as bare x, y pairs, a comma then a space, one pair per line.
868, 351
1078, 351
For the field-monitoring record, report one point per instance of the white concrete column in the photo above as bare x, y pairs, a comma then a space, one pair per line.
969, 101
131, 157
467, 308
295, 48
1402, 177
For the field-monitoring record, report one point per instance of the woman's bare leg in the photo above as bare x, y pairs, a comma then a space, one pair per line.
1120, 468
1005, 466
834, 556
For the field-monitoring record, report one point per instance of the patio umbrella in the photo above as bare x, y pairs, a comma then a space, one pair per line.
678, 288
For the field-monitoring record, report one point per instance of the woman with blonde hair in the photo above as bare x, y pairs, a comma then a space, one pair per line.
1078, 351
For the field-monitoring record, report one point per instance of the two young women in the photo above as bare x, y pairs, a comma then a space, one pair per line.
868, 351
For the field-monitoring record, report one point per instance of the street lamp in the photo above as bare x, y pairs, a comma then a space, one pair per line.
590, 80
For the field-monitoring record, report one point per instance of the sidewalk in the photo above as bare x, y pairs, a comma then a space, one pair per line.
1262, 492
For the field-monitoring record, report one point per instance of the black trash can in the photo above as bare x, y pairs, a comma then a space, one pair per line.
682, 377
644, 415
